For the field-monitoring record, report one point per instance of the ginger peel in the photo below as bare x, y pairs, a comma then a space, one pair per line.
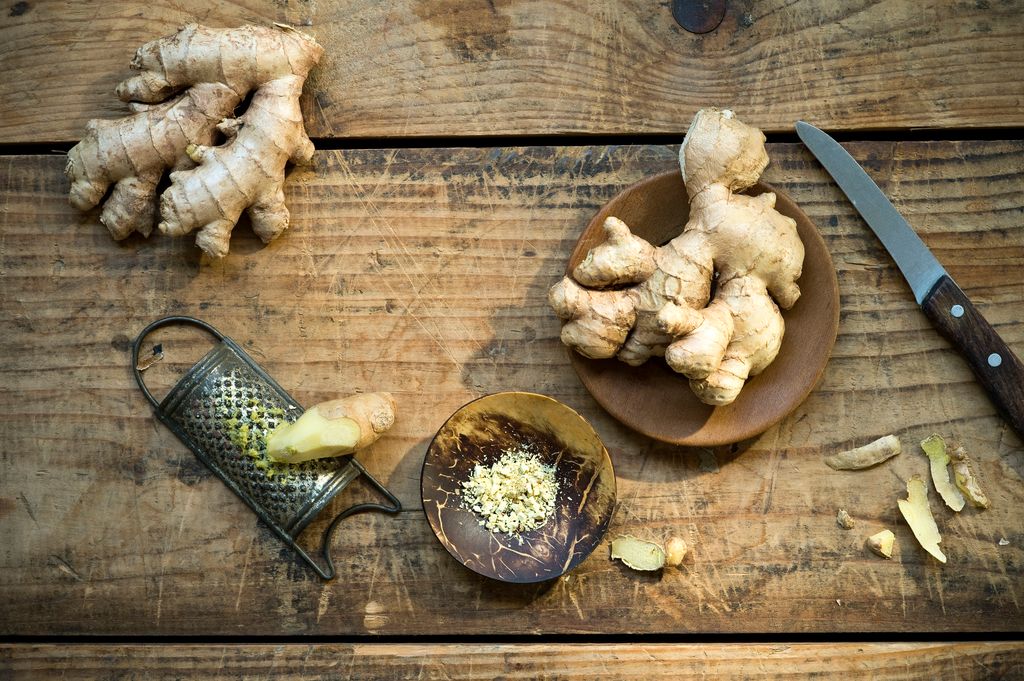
185, 93
966, 480
749, 250
869, 455
918, 515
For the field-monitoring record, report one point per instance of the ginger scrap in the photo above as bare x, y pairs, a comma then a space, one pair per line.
662, 304
882, 543
333, 428
919, 516
183, 97
864, 457
844, 520
935, 447
648, 556
963, 476
675, 550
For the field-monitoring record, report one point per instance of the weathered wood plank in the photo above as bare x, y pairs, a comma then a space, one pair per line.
424, 272
497, 67
853, 661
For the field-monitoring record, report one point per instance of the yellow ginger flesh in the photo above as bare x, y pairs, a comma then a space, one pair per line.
333, 428
882, 543
648, 556
919, 516
665, 307
638, 553
935, 447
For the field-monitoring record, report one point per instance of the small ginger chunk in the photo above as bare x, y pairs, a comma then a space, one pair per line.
638, 554
648, 556
882, 543
844, 520
675, 550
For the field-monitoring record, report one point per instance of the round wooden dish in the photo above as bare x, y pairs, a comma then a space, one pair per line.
479, 433
654, 400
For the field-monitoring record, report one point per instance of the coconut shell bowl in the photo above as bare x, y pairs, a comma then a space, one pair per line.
480, 433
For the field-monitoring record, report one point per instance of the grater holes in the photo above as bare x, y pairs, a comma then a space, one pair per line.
230, 413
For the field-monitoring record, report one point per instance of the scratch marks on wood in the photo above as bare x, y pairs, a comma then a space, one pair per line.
323, 602
245, 571
65, 567
374, 617
28, 508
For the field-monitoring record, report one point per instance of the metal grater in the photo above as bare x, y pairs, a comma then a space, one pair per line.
222, 409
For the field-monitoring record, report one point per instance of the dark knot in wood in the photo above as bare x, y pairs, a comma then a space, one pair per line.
698, 16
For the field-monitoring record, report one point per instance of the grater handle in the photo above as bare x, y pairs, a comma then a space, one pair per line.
166, 321
393, 506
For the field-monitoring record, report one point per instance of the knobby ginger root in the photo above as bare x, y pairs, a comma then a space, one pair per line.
882, 543
667, 309
935, 447
864, 457
185, 94
919, 516
333, 428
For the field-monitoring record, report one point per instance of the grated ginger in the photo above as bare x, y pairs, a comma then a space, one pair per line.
513, 495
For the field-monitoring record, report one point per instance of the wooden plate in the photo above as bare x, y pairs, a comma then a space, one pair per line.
654, 400
479, 433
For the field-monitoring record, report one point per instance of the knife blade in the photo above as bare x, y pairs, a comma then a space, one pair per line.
995, 365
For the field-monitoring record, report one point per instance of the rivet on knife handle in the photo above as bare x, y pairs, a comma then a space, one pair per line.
997, 368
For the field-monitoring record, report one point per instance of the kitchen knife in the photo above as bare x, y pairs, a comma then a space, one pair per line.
999, 371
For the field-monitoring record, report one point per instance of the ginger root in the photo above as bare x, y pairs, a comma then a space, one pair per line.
333, 428
185, 94
740, 246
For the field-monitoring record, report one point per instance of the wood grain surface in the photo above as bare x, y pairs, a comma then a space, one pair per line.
424, 273
416, 68
387, 662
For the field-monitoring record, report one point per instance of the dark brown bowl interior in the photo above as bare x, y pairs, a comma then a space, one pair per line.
654, 400
479, 433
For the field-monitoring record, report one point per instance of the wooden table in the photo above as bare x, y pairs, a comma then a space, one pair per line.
464, 145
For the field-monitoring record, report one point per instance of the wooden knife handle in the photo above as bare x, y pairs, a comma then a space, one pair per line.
999, 371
